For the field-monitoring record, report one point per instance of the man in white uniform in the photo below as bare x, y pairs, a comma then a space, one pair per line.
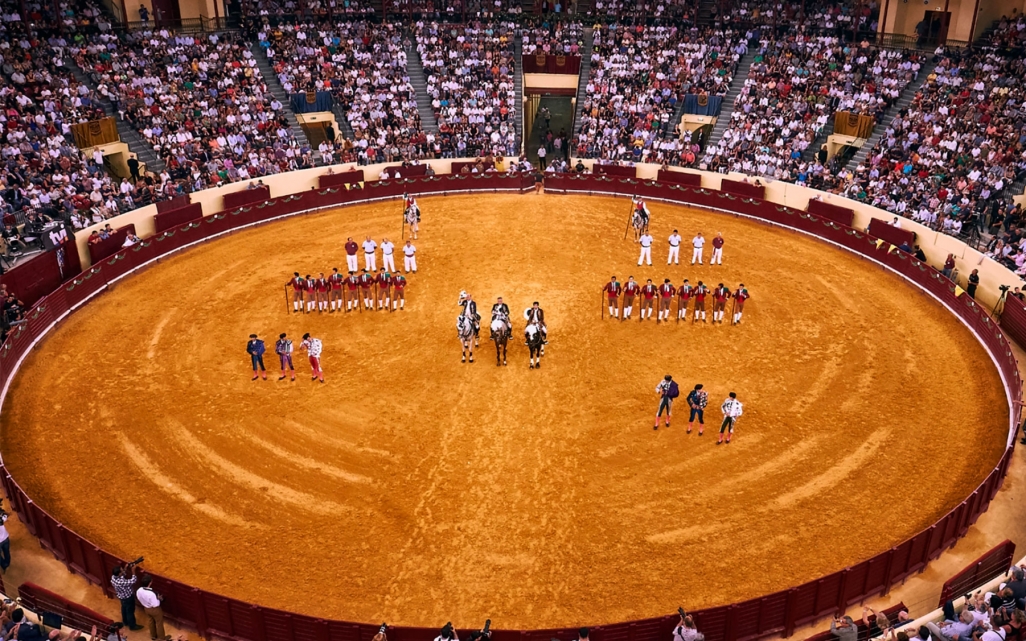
410, 257
732, 410
646, 248
698, 243
387, 260
674, 255
370, 258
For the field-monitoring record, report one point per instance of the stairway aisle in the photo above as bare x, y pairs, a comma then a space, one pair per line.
419, 82
276, 89
136, 143
518, 85
736, 84
884, 121
582, 82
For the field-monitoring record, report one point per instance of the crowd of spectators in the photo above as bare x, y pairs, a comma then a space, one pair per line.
823, 17
469, 69
638, 76
285, 10
552, 37
363, 65
793, 89
1009, 33
199, 101
948, 159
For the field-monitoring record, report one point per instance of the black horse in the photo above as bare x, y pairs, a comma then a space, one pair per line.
502, 329
535, 342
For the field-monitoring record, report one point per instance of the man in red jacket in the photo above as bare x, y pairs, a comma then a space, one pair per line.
630, 290
683, 296
384, 283
666, 292
351, 261
648, 293
612, 290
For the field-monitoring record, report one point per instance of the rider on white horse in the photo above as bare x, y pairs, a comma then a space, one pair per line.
500, 317
535, 314
469, 306
641, 210
411, 213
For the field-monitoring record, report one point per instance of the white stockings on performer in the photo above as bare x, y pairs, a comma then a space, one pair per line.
627, 311
737, 317
297, 306
682, 313
613, 312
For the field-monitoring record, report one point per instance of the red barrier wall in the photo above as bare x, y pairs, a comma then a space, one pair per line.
175, 217
342, 178
111, 244
1013, 319
246, 196
742, 188
42, 274
778, 613
991, 564
679, 178
75, 615
894, 235
457, 166
615, 170
175, 203
836, 213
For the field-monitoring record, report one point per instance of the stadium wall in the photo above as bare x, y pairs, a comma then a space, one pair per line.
214, 615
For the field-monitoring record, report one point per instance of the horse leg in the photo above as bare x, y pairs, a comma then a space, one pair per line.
497, 363
541, 352
504, 353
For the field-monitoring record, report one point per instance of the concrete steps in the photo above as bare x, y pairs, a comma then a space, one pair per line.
518, 84
582, 82
418, 80
136, 143
736, 84
884, 121
278, 91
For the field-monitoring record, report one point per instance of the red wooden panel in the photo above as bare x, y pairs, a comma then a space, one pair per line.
855, 583
645, 630
218, 614
309, 629
613, 632
919, 549
614, 170
245, 197
182, 603
247, 621
94, 570
279, 626
900, 562
84, 285
173, 218
344, 178
110, 245
678, 178
341, 631
740, 188
876, 573
836, 213
712, 622
893, 235
828, 594
76, 557
175, 203
805, 603
745, 624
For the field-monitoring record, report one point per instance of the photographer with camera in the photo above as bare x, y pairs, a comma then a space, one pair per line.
123, 581
686, 630
150, 600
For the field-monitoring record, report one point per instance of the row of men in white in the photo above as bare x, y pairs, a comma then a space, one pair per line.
370, 256
675, 240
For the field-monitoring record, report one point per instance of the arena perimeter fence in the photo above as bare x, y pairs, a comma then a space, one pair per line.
213, 615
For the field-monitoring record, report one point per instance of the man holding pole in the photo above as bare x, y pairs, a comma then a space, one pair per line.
612, 291
336, 280
630, 290
666, 292
683, 296
720, 296
740, 296
352, 292
366, 282
383, 283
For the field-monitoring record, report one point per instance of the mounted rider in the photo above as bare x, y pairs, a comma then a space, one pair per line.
536, 315
500, 317
469, 306
641, 210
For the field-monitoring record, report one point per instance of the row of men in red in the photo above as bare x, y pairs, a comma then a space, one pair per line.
383, 290
648, 293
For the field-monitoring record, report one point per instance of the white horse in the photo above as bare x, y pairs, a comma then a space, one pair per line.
640, 218
412, 216
465, 332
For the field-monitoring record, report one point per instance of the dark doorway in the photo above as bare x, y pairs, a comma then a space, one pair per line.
933, 30
166, 13
560, 111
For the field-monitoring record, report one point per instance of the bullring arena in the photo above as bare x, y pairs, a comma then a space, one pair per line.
417, 489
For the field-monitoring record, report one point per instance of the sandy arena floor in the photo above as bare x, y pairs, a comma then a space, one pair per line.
416, 490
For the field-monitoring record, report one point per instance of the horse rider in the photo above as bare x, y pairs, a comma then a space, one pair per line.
535, 314
500, 309
641, 210
469, 306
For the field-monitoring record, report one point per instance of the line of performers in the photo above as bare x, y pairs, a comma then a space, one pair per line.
383, 290
649, 293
